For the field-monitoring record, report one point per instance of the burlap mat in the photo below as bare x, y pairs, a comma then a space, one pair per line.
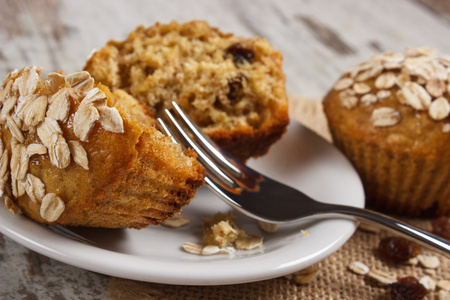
333, 281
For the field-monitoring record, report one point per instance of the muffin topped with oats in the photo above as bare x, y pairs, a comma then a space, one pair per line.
70, 157
390, 116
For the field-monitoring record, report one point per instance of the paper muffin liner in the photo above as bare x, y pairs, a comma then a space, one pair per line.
397, 183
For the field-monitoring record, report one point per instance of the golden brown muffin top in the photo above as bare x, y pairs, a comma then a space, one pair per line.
399, 101
51, 118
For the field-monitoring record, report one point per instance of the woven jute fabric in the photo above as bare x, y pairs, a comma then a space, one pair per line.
333, 281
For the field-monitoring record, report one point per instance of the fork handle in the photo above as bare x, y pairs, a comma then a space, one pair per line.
420, 236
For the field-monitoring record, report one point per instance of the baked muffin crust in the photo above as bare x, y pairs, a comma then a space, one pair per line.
70, 157
390, 116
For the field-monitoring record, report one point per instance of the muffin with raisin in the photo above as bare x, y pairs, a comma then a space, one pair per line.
232, 87
390, 116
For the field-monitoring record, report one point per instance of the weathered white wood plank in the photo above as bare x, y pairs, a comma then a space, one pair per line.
319, 39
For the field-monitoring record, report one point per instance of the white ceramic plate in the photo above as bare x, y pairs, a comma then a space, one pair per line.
301, 159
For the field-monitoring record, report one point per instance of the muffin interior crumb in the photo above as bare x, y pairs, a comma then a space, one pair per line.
216, 78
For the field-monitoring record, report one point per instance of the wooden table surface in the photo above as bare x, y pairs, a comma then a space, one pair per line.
319, 40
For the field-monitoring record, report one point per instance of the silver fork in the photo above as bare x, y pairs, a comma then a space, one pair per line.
267, 200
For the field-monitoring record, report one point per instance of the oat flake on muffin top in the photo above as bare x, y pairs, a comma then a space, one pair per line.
420, 74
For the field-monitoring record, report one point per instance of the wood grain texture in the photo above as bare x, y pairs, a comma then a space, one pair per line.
319, 40
61, 34
327, 36
439, 7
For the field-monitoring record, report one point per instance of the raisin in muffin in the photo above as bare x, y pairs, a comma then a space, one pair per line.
232, 87
68, 156
390, 116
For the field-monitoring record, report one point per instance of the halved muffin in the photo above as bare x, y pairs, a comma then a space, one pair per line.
232, 87
70, 157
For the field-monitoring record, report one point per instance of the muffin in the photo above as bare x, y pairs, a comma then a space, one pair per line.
232, 87
390, 116
68, 156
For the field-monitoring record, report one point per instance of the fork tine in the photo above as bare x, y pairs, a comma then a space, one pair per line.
166, 130
181, 137
69, 234
240, 173
208, 145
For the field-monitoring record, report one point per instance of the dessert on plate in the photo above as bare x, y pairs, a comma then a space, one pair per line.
390, 116
232, 87
70, 157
